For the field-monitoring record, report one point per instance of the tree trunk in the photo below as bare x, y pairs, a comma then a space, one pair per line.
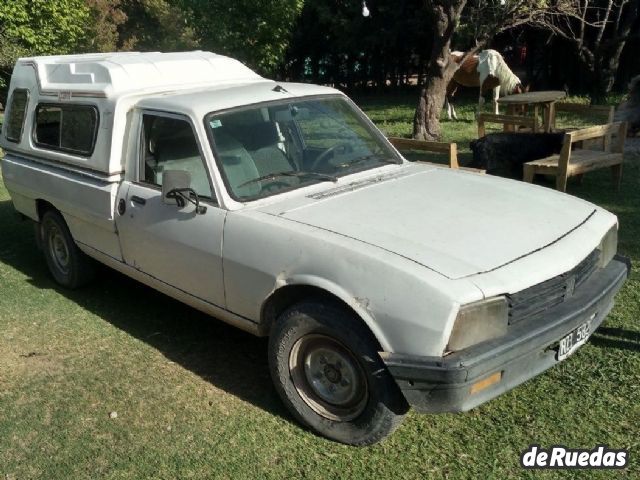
600, 86
601, 70
426, 121
605, 59
606, 72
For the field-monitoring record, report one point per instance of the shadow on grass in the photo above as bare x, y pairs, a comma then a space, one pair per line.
226, 357
384, 119
622, 339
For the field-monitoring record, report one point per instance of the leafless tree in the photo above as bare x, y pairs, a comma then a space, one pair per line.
575, 20
598, 30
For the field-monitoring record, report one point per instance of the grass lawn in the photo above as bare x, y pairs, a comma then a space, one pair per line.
194, 398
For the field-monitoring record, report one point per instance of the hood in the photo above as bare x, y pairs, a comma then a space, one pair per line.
455, 223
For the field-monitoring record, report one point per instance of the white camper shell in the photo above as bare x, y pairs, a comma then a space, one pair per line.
112, 83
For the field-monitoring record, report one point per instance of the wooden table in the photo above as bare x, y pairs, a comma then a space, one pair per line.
544, 99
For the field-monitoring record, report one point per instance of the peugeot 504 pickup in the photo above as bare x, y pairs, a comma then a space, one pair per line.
281, 209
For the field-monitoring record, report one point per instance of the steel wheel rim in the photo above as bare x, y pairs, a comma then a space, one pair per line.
328, 377
58, 249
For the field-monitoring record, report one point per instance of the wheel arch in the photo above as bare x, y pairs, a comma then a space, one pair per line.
306, 287
43, 206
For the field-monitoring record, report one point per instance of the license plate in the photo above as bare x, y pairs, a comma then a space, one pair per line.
573, 340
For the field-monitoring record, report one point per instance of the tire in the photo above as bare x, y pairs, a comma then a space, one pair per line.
326, 368
69, 266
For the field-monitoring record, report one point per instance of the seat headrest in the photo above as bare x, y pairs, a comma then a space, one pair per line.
257, 135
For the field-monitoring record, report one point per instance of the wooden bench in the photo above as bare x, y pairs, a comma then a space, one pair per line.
509, 122
602, 114
577, 161
449, 149
446, 148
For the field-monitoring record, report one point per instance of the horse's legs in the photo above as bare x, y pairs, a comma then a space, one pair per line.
481, 102
496, 94
483, 77
451, 110
448, 99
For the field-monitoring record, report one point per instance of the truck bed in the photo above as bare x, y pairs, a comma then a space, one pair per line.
86, 200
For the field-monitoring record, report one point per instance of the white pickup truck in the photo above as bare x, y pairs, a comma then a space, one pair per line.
279, 208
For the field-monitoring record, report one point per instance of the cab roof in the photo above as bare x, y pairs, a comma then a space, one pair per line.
199, 102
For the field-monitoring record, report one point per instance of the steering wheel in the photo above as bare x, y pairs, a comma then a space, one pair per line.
324, 157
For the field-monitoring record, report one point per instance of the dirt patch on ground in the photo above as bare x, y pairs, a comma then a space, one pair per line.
23, 365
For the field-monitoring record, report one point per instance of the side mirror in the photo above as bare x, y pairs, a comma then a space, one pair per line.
176, 190
174, 180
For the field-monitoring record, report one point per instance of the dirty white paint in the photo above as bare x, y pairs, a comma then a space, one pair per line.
403, 245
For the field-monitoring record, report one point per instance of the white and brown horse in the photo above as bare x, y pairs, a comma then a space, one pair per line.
488, 71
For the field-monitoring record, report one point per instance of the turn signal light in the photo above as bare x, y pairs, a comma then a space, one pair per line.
486, 382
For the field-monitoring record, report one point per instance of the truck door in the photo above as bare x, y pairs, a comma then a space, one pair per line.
178, 246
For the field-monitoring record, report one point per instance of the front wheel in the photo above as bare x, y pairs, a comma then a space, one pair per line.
326, 367
69, 266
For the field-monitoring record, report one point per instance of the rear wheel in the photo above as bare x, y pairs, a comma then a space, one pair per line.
69, 266
325, 366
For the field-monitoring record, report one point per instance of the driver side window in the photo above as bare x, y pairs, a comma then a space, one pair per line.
170, 144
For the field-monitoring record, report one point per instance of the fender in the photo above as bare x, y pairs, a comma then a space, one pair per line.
358, 305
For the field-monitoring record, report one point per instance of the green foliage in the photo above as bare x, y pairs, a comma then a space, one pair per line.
254, 31
156, 25
106, 17
39, 27
43, 27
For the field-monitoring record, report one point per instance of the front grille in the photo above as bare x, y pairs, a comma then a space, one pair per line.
534, 301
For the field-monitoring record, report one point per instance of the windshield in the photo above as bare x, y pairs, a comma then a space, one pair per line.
274, 147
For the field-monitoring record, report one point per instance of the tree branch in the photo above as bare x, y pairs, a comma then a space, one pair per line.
603, 26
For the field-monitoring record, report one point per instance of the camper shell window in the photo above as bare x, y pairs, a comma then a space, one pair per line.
17, 113
67, 128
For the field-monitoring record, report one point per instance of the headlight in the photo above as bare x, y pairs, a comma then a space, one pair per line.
608, 246
479, 321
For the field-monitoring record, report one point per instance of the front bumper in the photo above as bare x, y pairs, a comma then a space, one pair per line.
446, 384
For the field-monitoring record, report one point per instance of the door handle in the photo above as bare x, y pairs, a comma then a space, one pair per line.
138, 200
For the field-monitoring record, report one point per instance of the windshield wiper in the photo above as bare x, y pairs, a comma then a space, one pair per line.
365, 158
320, 176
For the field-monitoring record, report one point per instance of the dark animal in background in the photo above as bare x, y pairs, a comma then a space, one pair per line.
503, 154
629, 109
